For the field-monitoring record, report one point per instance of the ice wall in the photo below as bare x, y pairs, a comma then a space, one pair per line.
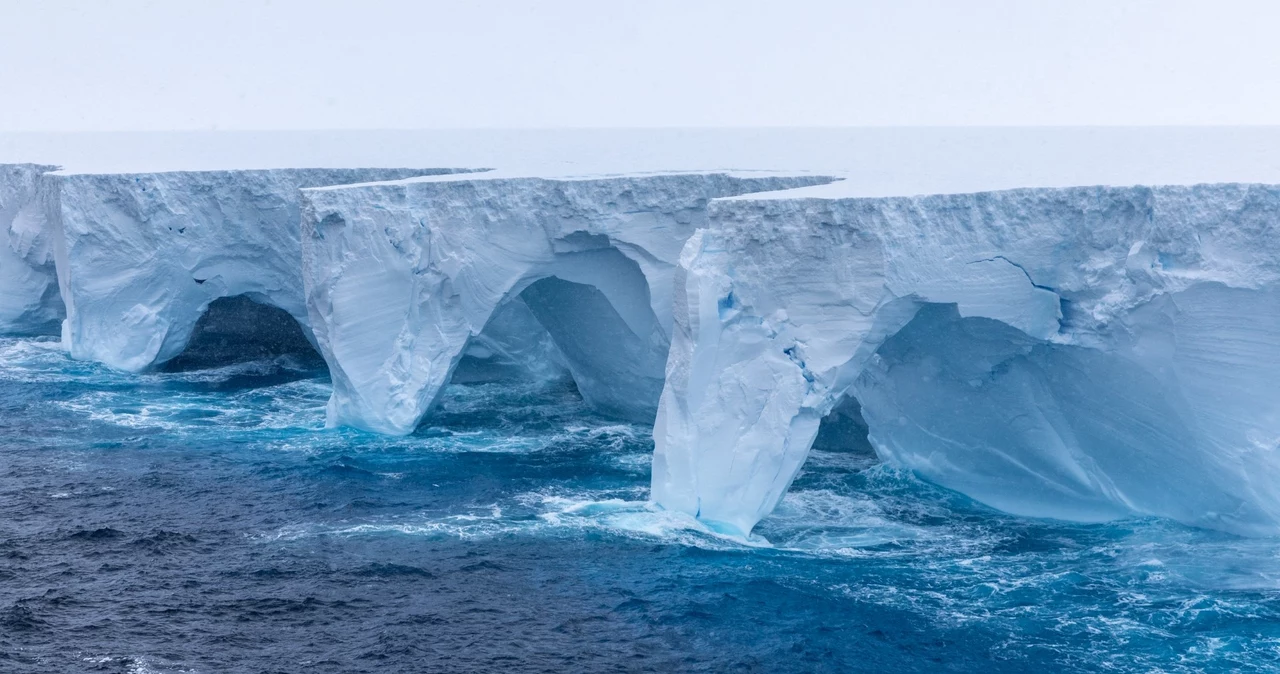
140, 256
29, 302
402, 276
1084, 353
1081, 353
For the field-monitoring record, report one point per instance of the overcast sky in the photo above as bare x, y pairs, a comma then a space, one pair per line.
317, 64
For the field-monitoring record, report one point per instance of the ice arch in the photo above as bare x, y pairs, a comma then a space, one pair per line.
401, 276
1077, 353
140, 256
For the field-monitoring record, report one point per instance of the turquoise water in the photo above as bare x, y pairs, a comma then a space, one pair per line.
205, 521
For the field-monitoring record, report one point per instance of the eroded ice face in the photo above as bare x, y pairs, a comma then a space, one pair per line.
1082, 354
404, 276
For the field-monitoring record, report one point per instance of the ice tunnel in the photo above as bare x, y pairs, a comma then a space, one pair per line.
1083, 353
403, 276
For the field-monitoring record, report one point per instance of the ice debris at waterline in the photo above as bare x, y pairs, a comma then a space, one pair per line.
1075, 353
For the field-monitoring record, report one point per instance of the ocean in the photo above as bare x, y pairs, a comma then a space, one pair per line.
204, 520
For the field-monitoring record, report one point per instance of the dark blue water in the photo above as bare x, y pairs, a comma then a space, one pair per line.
204, 522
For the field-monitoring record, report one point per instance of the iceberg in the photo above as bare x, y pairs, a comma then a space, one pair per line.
140, 256
402, 277
1048, 349
29, 302
1077, 353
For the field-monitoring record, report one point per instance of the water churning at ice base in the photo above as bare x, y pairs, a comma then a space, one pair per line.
204, 518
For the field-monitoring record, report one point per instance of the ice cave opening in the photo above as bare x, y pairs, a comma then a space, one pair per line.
598, 330
844, 430
1030, 427
513, 346
1045, 429
616, 364
239, 329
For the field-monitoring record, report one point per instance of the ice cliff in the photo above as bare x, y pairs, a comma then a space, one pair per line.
140, 256
1082, 353
401, 277
29, 302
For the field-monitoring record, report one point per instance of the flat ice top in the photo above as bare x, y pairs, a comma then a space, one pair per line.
874, 161
545, 173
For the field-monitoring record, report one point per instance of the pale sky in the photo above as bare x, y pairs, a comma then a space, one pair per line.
321, 64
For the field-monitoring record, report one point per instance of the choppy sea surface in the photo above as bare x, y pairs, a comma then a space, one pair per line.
204, 521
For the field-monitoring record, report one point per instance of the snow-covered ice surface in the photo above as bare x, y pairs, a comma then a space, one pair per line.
1084, 353
875, 161
401, 276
